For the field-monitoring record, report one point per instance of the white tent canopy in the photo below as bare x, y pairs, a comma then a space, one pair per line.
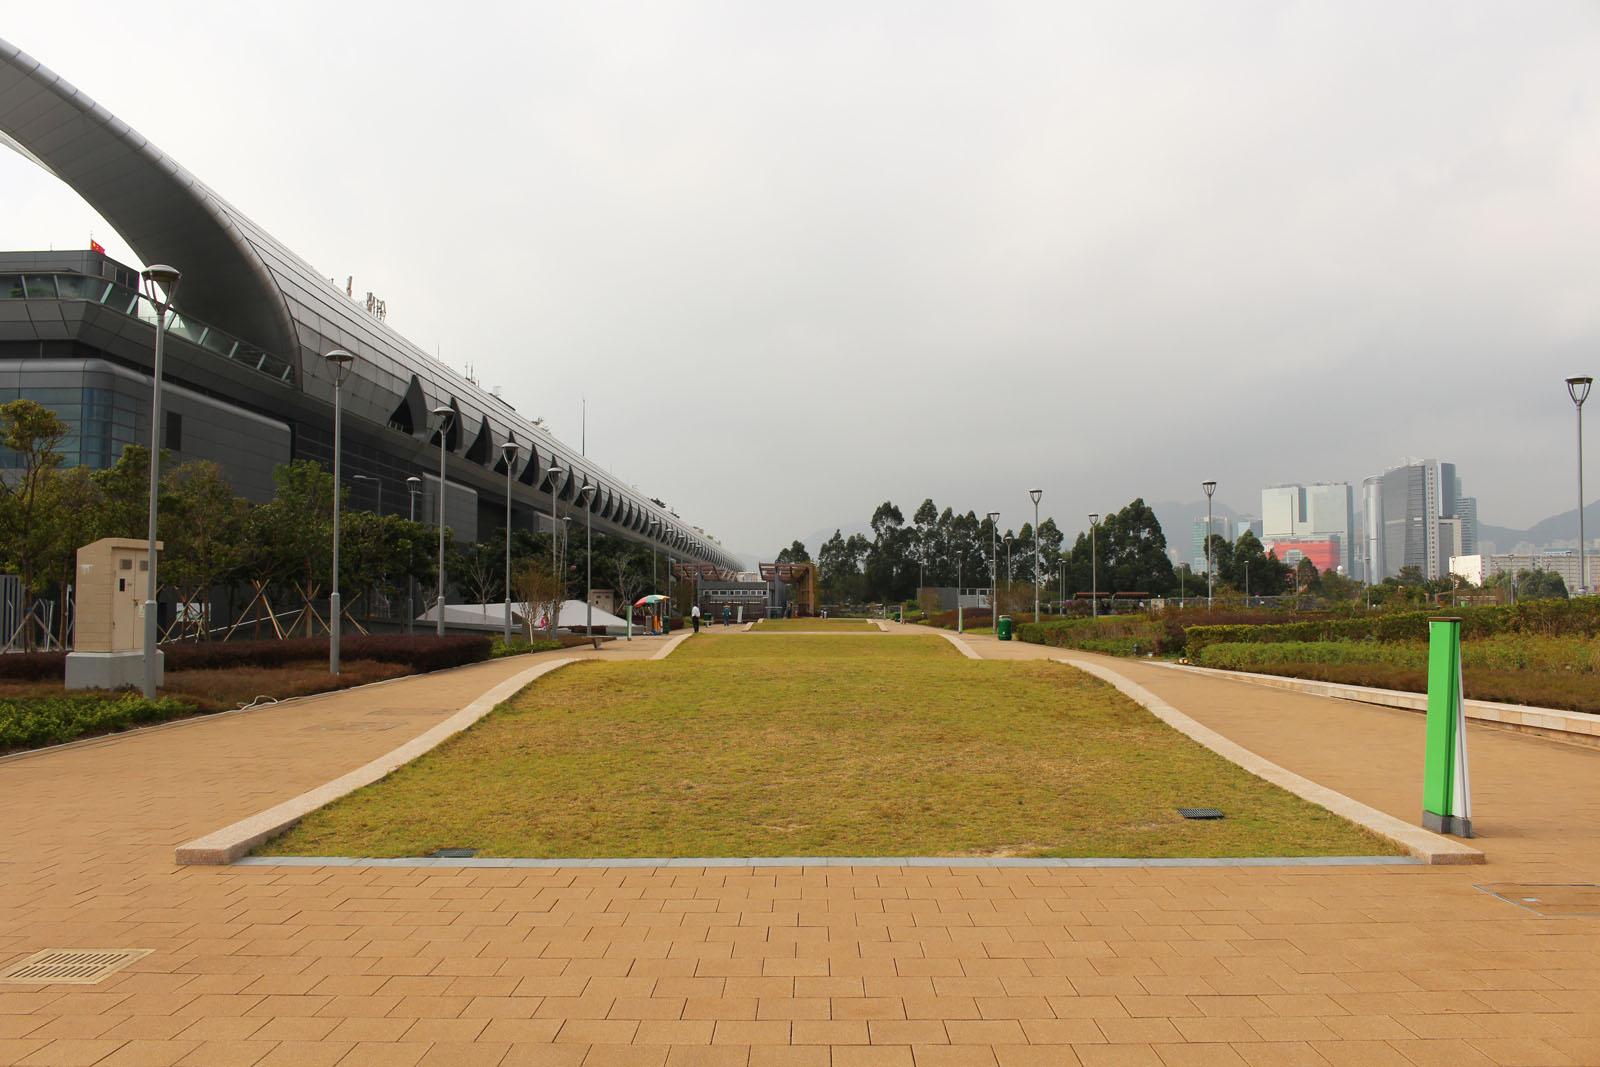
492, 616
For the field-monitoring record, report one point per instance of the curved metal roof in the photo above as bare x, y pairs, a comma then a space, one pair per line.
240, 279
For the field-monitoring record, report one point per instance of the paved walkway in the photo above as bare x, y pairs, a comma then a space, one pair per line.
837, 966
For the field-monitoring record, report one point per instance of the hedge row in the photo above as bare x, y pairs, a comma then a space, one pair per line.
1537, 618
418, 651
32, 723
1499, 652
1116, 635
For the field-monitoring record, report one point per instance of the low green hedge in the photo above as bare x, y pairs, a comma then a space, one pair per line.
519, 647
32, 723
1537, 618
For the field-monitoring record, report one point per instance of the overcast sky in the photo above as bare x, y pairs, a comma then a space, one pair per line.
837, 253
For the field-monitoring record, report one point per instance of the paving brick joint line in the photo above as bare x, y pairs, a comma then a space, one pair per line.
816, 965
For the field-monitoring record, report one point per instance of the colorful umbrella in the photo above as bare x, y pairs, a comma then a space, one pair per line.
653, 598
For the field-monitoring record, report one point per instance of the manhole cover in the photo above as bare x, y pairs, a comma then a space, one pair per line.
453, 853
1201, 813
73, 966
1551, 901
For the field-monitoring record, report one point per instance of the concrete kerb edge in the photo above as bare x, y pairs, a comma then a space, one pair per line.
1425, 845
233, 842
964, 648
1550, 723
672, 645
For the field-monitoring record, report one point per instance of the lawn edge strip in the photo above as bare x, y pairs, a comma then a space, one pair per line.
835, 861
671, 646
1552, 724
233, 842
1425, 845
961, 646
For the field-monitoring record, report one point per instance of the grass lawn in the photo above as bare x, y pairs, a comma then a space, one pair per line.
821, 746
854, 626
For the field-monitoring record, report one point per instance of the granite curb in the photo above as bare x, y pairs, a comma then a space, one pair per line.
233, 842
1425, 845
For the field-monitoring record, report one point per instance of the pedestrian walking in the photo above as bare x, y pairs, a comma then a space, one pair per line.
694, 614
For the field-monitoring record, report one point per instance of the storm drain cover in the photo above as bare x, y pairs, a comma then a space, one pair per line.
453, 853
1201, 813
1550, 901
73, 966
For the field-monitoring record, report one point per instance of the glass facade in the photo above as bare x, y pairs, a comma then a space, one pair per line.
100, 422
62, 286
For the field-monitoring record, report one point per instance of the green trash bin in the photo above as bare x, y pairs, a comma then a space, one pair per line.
1003, 630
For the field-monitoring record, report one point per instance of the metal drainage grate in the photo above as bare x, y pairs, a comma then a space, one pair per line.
453, 853
72, 966
1201, 813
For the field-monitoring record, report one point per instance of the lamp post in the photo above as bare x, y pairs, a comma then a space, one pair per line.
1094, 566
588, 559
413, 490
555, 562
1008, 539
994, 569
1036, 494
339, 364
161, 286
1578, 389
445, 415
1061, 575
509, 450
1209, 487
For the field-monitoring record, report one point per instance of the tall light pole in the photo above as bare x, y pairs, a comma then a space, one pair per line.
413, 490
555, 527
509, 450
1094, 566
445, 414
161, 286
1209, 487
994, 569
1036, 494
1578, 389
1008, 539
588, 559
339, 364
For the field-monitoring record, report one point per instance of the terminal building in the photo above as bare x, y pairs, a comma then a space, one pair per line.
245, 380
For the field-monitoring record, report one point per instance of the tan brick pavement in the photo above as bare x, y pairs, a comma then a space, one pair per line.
917, 966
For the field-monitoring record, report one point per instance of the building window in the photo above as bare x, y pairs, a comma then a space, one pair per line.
174, 435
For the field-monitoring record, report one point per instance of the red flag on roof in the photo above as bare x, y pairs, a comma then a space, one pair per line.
96, 246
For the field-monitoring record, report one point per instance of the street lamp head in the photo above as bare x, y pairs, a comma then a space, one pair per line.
161, 283
1209, 487
413, 485
992, 515
339, 364
509, 450
1036, 494
445, 412
586, 488
1578, 389
1094, 518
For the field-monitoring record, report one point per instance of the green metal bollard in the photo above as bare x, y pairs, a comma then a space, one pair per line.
1446, 793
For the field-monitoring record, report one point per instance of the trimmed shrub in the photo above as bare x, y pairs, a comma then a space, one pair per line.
519, 647
420, 652
34, 666
52, 721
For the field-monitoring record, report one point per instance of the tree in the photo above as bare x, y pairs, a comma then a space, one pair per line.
124, 491
294, 534
1305, 575
539, 593
1133, 551
1254, 570
795, 553
73, 502
202, 524
926, 520
31, 432
1540, 585
628, 569
889, 557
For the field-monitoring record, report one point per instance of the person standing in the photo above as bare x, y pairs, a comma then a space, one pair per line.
694, 614
727, 615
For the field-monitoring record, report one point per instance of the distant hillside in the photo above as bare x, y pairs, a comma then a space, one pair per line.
1555, 532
